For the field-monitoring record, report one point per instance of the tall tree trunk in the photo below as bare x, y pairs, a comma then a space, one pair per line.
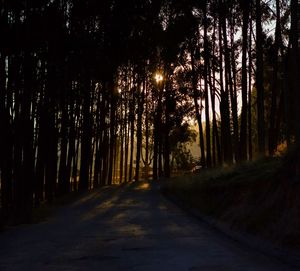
160, 154
105, 157
41, 156
243, 131
206, 93
147, 160
26, 125
229, 87
51, 156
157, 137
132, 124
260, 82
6, 144
64, 183
215, 133
274, 86
139, 134
250, 94
76, 154
126, 143
233, 90
112, 134
295, 67
198, 108
213, 93
85, 140
71, 144
166, 149
226, 142
122, 135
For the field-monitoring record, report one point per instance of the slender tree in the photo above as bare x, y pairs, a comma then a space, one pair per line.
260, 80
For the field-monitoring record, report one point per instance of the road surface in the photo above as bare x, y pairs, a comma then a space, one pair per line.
131, 227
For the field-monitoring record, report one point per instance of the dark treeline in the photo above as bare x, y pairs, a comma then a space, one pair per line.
100, 92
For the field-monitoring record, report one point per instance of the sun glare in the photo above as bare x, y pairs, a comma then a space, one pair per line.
158, 77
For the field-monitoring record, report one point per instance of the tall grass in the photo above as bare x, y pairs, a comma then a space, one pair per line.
259, 197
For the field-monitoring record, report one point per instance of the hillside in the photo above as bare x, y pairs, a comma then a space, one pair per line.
260, 198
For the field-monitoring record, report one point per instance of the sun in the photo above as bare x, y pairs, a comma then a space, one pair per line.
158, 77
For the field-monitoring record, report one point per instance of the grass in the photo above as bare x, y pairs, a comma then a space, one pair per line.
260, 197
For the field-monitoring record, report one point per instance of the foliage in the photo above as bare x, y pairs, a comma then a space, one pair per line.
180, 137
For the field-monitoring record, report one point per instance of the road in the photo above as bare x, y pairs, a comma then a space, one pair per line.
131, 227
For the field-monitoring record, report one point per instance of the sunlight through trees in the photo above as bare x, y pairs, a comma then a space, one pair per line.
94, 93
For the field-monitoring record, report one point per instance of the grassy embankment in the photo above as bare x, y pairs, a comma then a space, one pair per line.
260, 198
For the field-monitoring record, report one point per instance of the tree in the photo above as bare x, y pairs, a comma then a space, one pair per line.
260, 80
245, 5
78, 102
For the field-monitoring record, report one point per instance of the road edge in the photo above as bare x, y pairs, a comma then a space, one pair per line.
285, 256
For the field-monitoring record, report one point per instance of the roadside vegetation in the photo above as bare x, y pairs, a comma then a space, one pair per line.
260, 198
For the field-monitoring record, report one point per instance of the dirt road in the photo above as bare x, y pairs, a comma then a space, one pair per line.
131, 227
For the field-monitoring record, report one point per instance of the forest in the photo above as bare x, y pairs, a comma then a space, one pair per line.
95, 93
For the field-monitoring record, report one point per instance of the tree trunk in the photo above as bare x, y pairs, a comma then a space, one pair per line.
132, 124
250, 97
243, 131
229, 90
122, 135
71, 145
226, 143
198, 108
139, 134
260, 82
85, 140
274, 86
206, 93
295, 67
112, 135
166, 149
64, 183
233, 92
6, 145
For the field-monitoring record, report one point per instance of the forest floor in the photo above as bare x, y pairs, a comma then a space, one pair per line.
130, 227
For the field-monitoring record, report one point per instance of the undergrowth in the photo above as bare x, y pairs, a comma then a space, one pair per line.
259, 197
